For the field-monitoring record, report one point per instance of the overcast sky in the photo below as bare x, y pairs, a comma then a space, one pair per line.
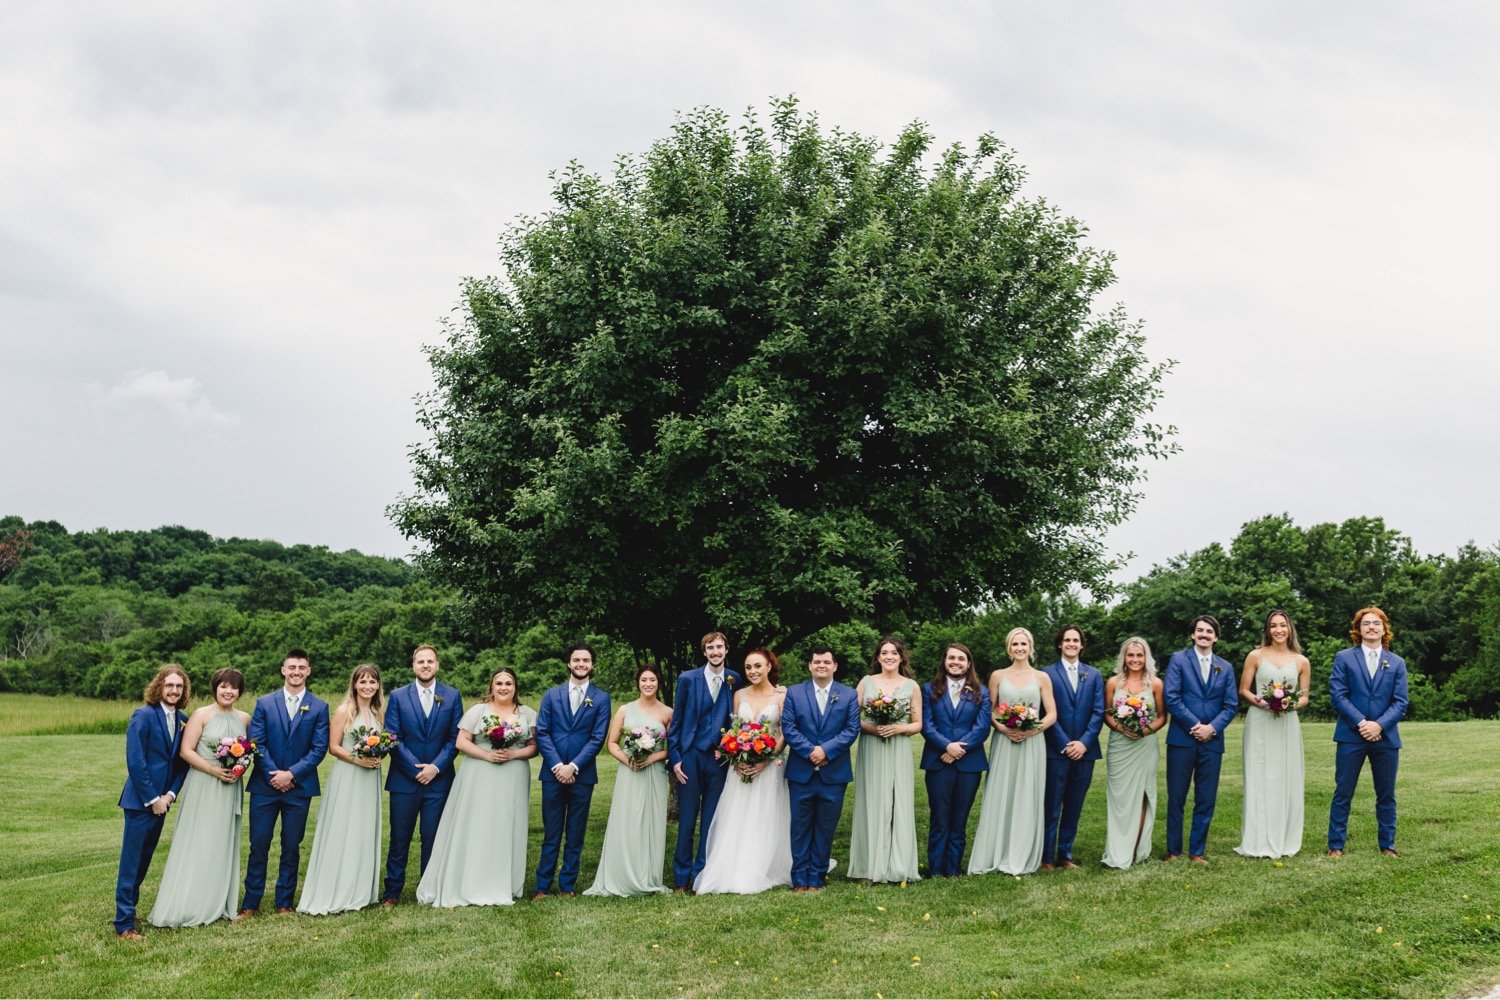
226, 231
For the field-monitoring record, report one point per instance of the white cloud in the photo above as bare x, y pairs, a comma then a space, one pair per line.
181, 396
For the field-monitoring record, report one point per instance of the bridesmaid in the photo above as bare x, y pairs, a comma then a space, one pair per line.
344, 870
635, 839
883, 845
1009, 838
479, 857
202, 876
1132, 758
1272, 823
955, 722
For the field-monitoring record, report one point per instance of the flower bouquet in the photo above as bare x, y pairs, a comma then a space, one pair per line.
888, 711
746, 744
1133, 713
1018, 716
1280, 697
507, 734
236, 753
641, 742
372, 742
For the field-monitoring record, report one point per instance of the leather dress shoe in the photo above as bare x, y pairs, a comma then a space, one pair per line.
1046, 866
246, 914
1198, 859
285, 909
1334, 852
1389, 852
1068, 863
537, 897
1172, 857
131, 934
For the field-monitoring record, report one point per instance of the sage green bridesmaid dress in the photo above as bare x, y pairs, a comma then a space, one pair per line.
1272, 824
479, 855
343, 872
1131, 766
202, 878
635, 838
1009, 838
883, 838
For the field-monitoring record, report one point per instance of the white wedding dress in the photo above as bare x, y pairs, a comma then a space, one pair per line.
750, 839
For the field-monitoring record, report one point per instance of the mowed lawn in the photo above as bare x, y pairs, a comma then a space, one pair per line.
1427, 924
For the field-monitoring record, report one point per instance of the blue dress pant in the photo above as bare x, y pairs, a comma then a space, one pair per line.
1198, 767
816, 808
142, 831
1067, 786
565, 819
406, 809
696, 802
950, 797
264, 812
1348, 762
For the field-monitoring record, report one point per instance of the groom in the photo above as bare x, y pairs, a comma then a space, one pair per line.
290, 726
700, 709
820, 721
1202, 692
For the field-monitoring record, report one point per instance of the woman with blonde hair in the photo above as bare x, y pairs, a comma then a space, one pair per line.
1135, 712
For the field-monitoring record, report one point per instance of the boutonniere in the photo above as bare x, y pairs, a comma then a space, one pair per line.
437, 699
303, 709
833, 697
729, 681
588, 702
1385, 664
1216, 668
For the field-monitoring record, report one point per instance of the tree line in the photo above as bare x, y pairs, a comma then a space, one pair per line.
94, 613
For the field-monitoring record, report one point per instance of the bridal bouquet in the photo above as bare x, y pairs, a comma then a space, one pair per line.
506, 735
1133, 714
1280, 697
641, 742
235, 754
1018, 716
372, 741
745, 744
888, 711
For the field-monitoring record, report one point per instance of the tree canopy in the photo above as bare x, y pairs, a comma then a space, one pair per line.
766, 379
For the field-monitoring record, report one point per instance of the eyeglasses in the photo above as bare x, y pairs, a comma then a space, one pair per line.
1372, 621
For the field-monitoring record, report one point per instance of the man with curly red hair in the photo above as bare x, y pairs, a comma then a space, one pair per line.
1368, 688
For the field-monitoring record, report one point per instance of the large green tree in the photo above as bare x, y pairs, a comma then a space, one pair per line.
768, 378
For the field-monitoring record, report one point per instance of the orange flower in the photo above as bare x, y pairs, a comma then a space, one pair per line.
236, 750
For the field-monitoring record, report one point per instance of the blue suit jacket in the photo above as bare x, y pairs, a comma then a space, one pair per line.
1191, 701
565, 738
1357, 698
422, 739
697, 721
298, 744
1079, 716
942, 724
152, 764
835, 732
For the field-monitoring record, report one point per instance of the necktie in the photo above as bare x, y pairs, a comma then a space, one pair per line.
822, 701
426, 702
1370, 658
171, 726
954, 694
291, 707
714, 682
576, 694
1203, 668
1073, 677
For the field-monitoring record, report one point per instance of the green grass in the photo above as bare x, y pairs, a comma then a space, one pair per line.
1427, 924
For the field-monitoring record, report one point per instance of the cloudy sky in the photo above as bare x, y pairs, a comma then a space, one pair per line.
226, 231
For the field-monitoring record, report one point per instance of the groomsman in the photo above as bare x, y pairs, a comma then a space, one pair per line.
290, 727
423, 716
1368, 689
570, 730
820, 721
1201, 692
1072, 746
955, 722
700, 710
153, 777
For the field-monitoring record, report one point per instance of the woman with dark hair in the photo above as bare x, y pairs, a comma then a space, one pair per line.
883, 841
955, 721
343, 872
1135, 712
1271, 826
750, 838
635, 838
202, 876
479, 855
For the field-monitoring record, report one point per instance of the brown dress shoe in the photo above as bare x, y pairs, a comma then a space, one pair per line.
567, 895
1172, 857
246, 914
1068, 863
130, 934
1197, 859
537, 897
285, 909
1046, 866
1389, 852
1334, 852
388, 903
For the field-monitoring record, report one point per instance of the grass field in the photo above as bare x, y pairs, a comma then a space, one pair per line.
1427, 924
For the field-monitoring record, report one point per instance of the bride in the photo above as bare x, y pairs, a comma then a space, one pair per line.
750, 839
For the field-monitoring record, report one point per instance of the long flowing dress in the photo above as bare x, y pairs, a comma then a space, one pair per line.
635, 838
202, 878
1009, 838
343, 872
479, 854
1131, 766
883, 843
750, 838
1272, 825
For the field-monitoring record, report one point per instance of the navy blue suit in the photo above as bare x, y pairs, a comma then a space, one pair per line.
951, 788
567, 737
297, 744
817, 793
1079, 717
152, 768
421, 739
697, 720
1356, 698
1189, 762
